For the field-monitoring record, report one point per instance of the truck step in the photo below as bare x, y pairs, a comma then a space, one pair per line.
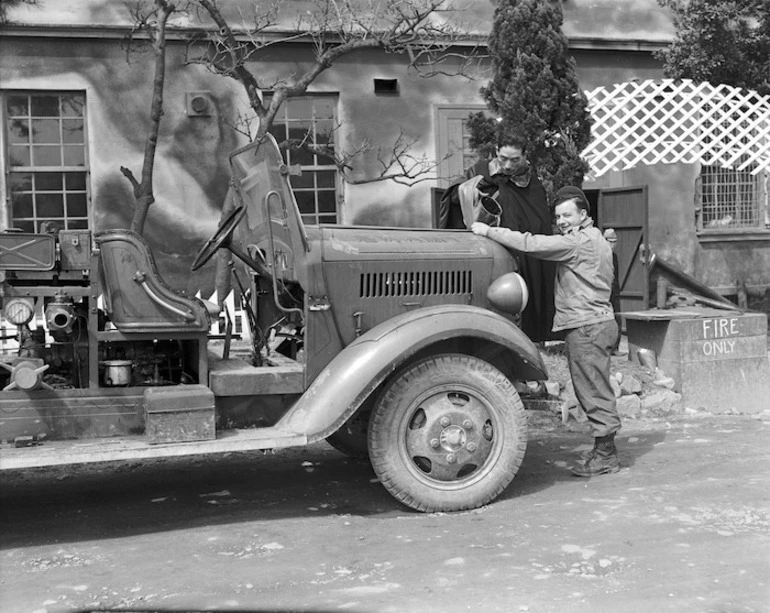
59, 453
236, 377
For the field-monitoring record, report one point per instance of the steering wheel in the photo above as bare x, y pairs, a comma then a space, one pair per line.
220, 239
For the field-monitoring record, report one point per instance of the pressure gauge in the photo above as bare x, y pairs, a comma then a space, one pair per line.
19, 311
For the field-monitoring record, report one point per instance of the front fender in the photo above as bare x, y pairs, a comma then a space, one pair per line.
362, 366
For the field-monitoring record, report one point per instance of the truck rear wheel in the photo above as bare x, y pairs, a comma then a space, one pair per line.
447, 434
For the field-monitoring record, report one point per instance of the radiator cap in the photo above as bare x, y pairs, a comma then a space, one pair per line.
508, 293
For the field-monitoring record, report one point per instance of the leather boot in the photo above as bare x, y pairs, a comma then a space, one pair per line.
602, 459
587, 454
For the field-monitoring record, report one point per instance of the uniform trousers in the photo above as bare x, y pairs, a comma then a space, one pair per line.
588, 355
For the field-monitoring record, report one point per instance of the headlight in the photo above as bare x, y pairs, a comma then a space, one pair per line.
508, 293
19, 311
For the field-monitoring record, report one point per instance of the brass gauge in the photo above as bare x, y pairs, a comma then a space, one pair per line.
19, 311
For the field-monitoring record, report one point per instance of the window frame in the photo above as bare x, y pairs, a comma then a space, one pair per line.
284, 121
761, 208
36, 172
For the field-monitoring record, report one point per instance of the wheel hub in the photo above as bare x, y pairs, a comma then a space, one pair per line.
453, 438
450, 435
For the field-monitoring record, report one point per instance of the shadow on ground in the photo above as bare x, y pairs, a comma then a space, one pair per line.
114, 500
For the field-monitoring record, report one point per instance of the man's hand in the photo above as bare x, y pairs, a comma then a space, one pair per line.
479, 228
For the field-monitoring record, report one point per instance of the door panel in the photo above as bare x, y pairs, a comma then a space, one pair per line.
625, 209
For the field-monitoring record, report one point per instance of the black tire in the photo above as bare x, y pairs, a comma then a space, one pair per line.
351, 438
447, 434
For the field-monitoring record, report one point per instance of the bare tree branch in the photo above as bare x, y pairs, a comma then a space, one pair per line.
153, 23
418, 29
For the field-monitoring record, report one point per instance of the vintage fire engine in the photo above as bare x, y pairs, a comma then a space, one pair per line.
397, 344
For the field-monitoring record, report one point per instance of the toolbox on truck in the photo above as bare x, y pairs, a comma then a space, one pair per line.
179, 413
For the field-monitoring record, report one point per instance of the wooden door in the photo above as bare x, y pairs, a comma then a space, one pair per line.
625, 209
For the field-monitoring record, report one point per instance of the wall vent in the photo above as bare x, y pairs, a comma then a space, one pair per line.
386, 86
420, 283
199, 104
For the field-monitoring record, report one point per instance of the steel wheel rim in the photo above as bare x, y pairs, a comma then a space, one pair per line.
435, 428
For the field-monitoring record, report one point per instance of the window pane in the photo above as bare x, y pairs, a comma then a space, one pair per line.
74, 155
327, 219
325, 178
278, 130
18, 131
299, 108
325, 108
324, 132
21, 205
48, 181
18, 106
325, 157
305, 202
72, 105
301, 156
303, 180
19, 155
20, 181
24, 225
45, 131
77, 224
46, 155
76, 205
45, 106
298, 130
51, 224
326, 202
50, 205
72, 131
76, 181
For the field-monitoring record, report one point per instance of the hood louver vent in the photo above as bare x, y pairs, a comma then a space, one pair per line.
421, 283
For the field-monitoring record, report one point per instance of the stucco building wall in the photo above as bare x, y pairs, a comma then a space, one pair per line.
612, 41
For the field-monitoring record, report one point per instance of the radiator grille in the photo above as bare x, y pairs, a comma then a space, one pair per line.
419, 283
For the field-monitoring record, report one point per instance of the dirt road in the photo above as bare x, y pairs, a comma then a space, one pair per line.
684, 527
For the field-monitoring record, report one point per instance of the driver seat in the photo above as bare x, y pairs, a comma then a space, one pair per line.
135, 296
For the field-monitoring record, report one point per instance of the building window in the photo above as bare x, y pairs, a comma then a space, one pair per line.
453, 150
47, 162
732, 199
311, 120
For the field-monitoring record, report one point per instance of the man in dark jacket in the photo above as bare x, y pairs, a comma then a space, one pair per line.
511, 181
583, 310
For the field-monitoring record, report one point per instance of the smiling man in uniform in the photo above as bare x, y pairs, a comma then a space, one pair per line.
583, 312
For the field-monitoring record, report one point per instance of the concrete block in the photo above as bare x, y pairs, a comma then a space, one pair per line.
716, 359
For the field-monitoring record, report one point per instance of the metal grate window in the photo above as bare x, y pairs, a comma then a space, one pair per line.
730, 199
311, 120
47, 160
418, 283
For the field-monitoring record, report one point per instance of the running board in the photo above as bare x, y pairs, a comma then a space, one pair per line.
116, 449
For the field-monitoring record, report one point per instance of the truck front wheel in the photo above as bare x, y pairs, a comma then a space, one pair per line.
447, 434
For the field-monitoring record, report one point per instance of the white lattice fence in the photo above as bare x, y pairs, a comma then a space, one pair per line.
669, 121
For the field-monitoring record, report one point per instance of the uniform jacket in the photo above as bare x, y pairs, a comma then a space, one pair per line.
583, 274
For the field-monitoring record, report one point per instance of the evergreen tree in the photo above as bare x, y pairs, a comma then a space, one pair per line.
720, 41
534, 91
